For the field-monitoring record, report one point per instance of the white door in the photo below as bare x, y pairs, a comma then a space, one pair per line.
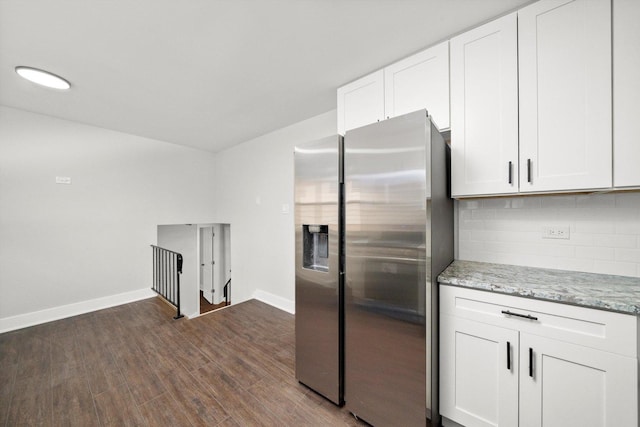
419, 81
478, 373
206, 262
361, 102
626, 93
227, 258
564, 49
567, 385
484, 109
218, 264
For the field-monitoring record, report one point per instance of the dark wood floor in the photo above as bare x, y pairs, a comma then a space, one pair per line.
206, 306
132, 365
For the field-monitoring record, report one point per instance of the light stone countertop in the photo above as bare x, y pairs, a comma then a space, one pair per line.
601, 291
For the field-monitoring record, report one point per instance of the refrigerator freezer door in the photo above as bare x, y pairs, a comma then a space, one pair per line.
386, 202
318, 280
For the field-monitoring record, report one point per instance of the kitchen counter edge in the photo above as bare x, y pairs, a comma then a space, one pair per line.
599, 291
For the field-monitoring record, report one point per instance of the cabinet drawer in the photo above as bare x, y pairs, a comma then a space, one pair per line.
599, 329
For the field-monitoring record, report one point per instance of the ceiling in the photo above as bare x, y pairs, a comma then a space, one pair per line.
209, 74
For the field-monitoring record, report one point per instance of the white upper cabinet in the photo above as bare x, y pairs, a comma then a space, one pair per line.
361, 102
532, 107
419, 81
565, 95
484, 109
626, 93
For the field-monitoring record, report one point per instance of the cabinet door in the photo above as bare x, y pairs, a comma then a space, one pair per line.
626, 92
575, 386
484, 109
420, 81
361, 102
565, 95
478, 380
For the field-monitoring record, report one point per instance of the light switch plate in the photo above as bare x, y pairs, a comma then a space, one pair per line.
63, 180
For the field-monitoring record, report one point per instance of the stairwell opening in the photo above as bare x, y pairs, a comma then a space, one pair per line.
205, 283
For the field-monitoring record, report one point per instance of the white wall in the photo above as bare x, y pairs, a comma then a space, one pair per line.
65, 249
183, 239
262, 237
604, 232
65, 244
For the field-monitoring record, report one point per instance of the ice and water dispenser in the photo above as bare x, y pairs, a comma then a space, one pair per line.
315, 243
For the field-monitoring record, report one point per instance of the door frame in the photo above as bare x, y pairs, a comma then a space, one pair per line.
226, 226
205, 288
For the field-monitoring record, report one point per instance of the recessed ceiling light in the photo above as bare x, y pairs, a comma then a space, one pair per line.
43, 78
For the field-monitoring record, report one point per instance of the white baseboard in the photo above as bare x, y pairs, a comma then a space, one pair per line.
448, 423
192, 315
276, 301
37, 317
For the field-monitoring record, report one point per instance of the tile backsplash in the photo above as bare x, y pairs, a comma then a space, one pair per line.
604, 232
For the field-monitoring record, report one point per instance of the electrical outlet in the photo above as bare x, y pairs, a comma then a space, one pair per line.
555, 233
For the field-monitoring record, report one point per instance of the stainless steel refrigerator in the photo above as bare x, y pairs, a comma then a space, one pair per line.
319, 305
398, 236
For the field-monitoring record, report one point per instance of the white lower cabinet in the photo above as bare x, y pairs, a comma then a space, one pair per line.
564, 385
479, 379
509, 361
